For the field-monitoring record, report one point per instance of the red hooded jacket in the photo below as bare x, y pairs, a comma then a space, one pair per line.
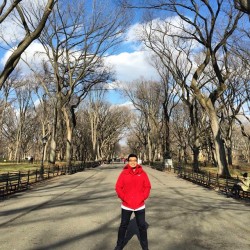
133, 187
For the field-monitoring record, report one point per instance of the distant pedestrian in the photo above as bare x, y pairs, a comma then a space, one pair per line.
133, 188
30, 159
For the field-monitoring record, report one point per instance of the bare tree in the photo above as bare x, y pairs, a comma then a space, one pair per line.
175, 56
113, 123
169, 99
210, 26
241, 66
5, 100
31, 33
232, 104
23, 93
137, 137
213, 52
76, 44
9, 133
181, 131
106, 124
94, 107
146, 98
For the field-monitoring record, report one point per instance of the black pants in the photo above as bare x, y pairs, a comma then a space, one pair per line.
141, 223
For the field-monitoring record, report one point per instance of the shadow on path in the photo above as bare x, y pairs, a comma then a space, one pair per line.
132, 230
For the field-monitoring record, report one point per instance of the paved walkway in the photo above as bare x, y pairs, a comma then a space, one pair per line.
81, 211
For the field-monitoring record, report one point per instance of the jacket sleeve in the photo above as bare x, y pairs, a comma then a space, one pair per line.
147, 186
119, 187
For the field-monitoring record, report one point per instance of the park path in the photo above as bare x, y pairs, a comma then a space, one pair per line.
82, 211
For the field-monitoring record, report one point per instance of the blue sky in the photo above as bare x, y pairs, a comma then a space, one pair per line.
130, 62
129, 65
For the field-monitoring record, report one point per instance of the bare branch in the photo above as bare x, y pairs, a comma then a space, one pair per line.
26, 41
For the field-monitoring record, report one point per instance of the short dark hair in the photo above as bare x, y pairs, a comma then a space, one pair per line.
132, 155
245, 174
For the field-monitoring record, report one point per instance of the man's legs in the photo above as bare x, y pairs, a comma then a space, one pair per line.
125, 218
141, 223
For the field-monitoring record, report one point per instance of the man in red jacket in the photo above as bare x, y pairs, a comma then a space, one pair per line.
133, 187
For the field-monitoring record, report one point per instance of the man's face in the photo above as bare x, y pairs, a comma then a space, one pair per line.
132, 162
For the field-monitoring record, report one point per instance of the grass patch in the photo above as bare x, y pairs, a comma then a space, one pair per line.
6, 167
15, 167
236, 170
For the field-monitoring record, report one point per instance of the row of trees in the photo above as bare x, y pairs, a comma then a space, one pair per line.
150, 133
200, 49
75, 41
99, 126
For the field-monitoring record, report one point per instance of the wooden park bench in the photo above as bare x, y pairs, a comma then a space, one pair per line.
245, 194
13, 182
226, 186
17, 182
3, 185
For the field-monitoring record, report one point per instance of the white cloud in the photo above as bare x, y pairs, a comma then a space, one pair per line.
33, 56
11, 29
111, 85
10, 33
133, 32
132, 66
127, 104
171, 25
128, 66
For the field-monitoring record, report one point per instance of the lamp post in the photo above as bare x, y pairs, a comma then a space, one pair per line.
179, 154
44, 141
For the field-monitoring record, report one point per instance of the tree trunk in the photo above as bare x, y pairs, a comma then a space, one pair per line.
69, 128
208, 105
69, 146
196, 151
98, 155
166, 152
219, 145
229, 156
52, 156
45, 153
70, 121
149, 148
2, 118
193, 109
10, 153
18, 142
93, 121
